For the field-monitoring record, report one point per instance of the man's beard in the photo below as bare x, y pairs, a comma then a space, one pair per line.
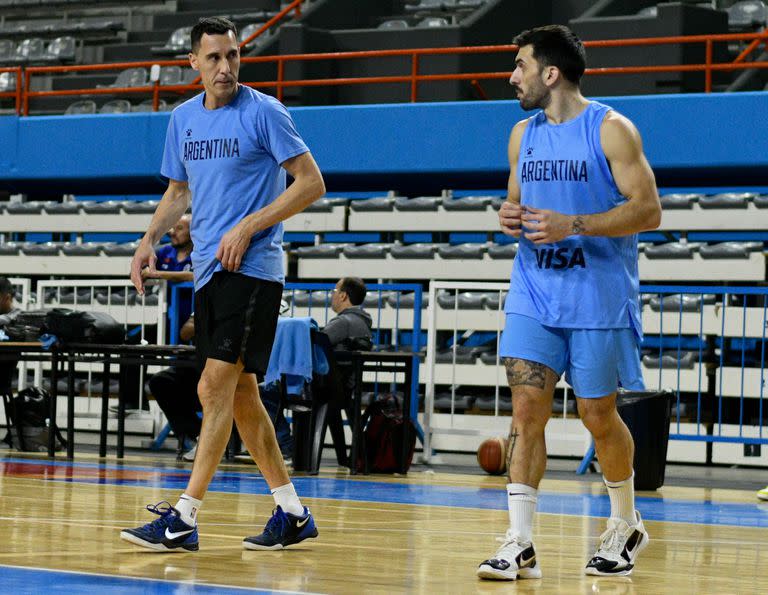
531, 101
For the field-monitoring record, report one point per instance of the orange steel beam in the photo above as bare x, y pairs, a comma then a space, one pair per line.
749, 49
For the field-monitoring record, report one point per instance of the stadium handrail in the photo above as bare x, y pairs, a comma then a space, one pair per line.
413, 78
17, 93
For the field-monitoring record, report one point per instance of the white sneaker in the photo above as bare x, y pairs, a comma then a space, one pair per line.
515, 559
619, 546
190, 454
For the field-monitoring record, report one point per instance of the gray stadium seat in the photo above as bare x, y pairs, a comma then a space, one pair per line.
9, 248
464, 355
488, 403
467, 203
471, 251
318, 299
761, 202
139, 206
61, 49
249, 30
7, 81
433, 22
669, 360
497, 201
394, 24
502, 251
672, 250
747, 15
178, 42
324, 205
29, 50
460, 402
489, 358
84, 296
382, 203
679, 201
117, 297
492, 303
34, 207
116, 106
367, 251
148, 106
727, 200
375, 299
170, 75
44, 249
320, 251
419, 203
131, 77
107, 207
468, 300
425, 251
407, 300
126, 249
672, 303
648, 11
86, 249
7, 50
725, 250
62, 208
86, 106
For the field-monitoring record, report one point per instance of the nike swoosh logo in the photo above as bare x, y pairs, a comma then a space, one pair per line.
176, 535
302, 522
524, 562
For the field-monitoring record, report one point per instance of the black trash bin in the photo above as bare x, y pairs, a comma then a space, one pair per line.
647, 415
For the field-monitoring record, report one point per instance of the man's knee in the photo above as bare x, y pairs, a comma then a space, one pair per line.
598, 415
530, 413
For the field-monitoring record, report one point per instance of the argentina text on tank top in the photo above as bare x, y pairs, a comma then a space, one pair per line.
582, 281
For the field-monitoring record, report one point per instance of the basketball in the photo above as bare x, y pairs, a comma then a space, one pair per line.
492, 455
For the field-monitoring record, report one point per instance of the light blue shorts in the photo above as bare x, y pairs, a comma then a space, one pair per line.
596, 362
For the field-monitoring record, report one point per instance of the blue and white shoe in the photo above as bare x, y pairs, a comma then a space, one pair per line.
166, 534
283, 529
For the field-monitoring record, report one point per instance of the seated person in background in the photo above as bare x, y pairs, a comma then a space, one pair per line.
8, 312
350, 329
175, 390
175, 257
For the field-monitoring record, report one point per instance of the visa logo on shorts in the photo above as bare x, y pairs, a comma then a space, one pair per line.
560, 258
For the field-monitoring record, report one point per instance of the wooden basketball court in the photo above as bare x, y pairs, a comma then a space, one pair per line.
425, 533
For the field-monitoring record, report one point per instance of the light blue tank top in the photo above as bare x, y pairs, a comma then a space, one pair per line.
581, 282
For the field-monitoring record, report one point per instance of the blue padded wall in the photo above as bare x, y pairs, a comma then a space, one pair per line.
694, 139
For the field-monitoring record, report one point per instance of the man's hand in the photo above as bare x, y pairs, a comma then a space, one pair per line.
232, 247
509, 218
546, 227
143, 257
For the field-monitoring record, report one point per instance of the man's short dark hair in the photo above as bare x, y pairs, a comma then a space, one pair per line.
556, 45
355, 288
6, 286
211, 26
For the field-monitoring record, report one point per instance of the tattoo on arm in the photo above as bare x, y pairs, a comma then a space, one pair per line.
578, 225
520, 371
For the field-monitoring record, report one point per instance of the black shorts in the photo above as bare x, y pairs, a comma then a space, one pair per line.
236, 317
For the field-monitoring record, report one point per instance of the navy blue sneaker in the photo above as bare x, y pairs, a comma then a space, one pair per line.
283, 529
166, 534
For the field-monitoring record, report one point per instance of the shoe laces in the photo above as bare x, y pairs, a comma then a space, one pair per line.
510, 542
276, 522
612, 538
163, 511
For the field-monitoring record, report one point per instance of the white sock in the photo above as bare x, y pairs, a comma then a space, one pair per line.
286, 498
188, 507
521, 500
622, 495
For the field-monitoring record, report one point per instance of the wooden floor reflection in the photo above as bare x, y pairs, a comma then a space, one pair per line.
364, 547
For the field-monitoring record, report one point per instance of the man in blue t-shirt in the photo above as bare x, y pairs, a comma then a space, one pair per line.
227, 150
580, 190
177, 256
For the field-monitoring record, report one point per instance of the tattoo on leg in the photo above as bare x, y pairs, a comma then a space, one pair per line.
511, 446
520, 371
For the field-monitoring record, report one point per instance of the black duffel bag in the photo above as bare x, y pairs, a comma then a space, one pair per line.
26, 326
75, 326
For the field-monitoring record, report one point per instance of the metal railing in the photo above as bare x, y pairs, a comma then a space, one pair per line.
413, 78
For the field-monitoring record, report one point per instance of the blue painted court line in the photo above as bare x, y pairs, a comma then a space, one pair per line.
20, 581
586, 504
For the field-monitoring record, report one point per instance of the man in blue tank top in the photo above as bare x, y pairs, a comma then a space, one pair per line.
227, 151
580, 189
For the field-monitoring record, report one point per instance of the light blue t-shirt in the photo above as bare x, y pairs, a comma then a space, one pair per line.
584, 282
231, 158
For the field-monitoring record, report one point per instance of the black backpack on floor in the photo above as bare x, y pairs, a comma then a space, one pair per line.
384, 425
28, 411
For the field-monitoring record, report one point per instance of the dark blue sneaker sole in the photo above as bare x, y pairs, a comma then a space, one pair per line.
158, 547
250, 545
